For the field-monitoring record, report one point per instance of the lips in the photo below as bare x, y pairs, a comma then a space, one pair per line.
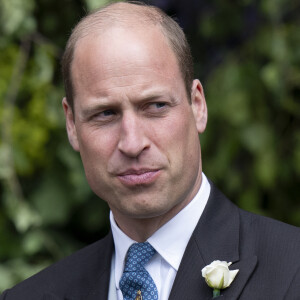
138, 177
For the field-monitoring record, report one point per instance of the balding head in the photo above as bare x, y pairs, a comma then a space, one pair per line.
130, 16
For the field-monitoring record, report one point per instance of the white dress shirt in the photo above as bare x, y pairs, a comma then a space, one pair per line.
169, 241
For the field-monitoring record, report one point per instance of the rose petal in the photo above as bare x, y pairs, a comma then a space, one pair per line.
217, 274
232, 275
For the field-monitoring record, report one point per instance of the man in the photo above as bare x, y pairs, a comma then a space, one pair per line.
134, 114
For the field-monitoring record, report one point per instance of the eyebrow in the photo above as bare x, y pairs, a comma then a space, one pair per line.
88, 111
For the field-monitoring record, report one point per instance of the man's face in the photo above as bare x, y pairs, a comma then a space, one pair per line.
133, 125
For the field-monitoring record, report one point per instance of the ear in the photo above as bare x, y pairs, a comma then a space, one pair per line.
199, 107
70, 125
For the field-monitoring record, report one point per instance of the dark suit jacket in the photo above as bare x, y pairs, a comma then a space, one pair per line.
266, 252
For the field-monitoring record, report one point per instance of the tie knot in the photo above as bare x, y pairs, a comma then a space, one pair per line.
137, 256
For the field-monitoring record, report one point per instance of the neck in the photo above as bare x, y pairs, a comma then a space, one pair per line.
140, 229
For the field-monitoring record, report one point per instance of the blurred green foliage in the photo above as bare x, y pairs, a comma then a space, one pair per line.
247, 55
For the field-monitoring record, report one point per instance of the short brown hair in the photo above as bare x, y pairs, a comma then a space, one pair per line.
118, 13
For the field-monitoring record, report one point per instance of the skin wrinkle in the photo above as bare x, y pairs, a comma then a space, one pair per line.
105, 103
92, 114
115, 80
99, 91
90, 77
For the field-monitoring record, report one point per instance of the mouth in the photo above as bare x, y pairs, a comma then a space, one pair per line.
138, 177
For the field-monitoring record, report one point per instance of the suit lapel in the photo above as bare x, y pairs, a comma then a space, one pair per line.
50, 296
95, 283
189, 283
101, 283
246, 267
216, 237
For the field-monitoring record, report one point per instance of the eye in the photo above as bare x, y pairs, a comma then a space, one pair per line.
157, 109
105, 116
107, 113
157, 105
160, 104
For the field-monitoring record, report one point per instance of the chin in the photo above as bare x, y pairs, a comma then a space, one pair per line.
140, 211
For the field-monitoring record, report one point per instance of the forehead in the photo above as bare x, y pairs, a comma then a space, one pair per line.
121, 52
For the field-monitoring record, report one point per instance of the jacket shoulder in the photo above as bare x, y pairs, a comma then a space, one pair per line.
270, 231
74, 274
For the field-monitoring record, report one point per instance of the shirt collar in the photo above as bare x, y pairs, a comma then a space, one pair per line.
171, 239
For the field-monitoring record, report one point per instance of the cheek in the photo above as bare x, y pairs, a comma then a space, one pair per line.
184, 148
182, 133
96, 145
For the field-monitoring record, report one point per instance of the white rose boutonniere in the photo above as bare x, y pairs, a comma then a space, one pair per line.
218, 276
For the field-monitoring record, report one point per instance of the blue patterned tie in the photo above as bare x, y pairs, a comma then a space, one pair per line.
135, 279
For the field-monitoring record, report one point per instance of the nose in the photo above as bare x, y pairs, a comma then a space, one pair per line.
133, 140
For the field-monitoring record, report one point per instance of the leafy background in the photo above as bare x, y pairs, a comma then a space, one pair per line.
247, 55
